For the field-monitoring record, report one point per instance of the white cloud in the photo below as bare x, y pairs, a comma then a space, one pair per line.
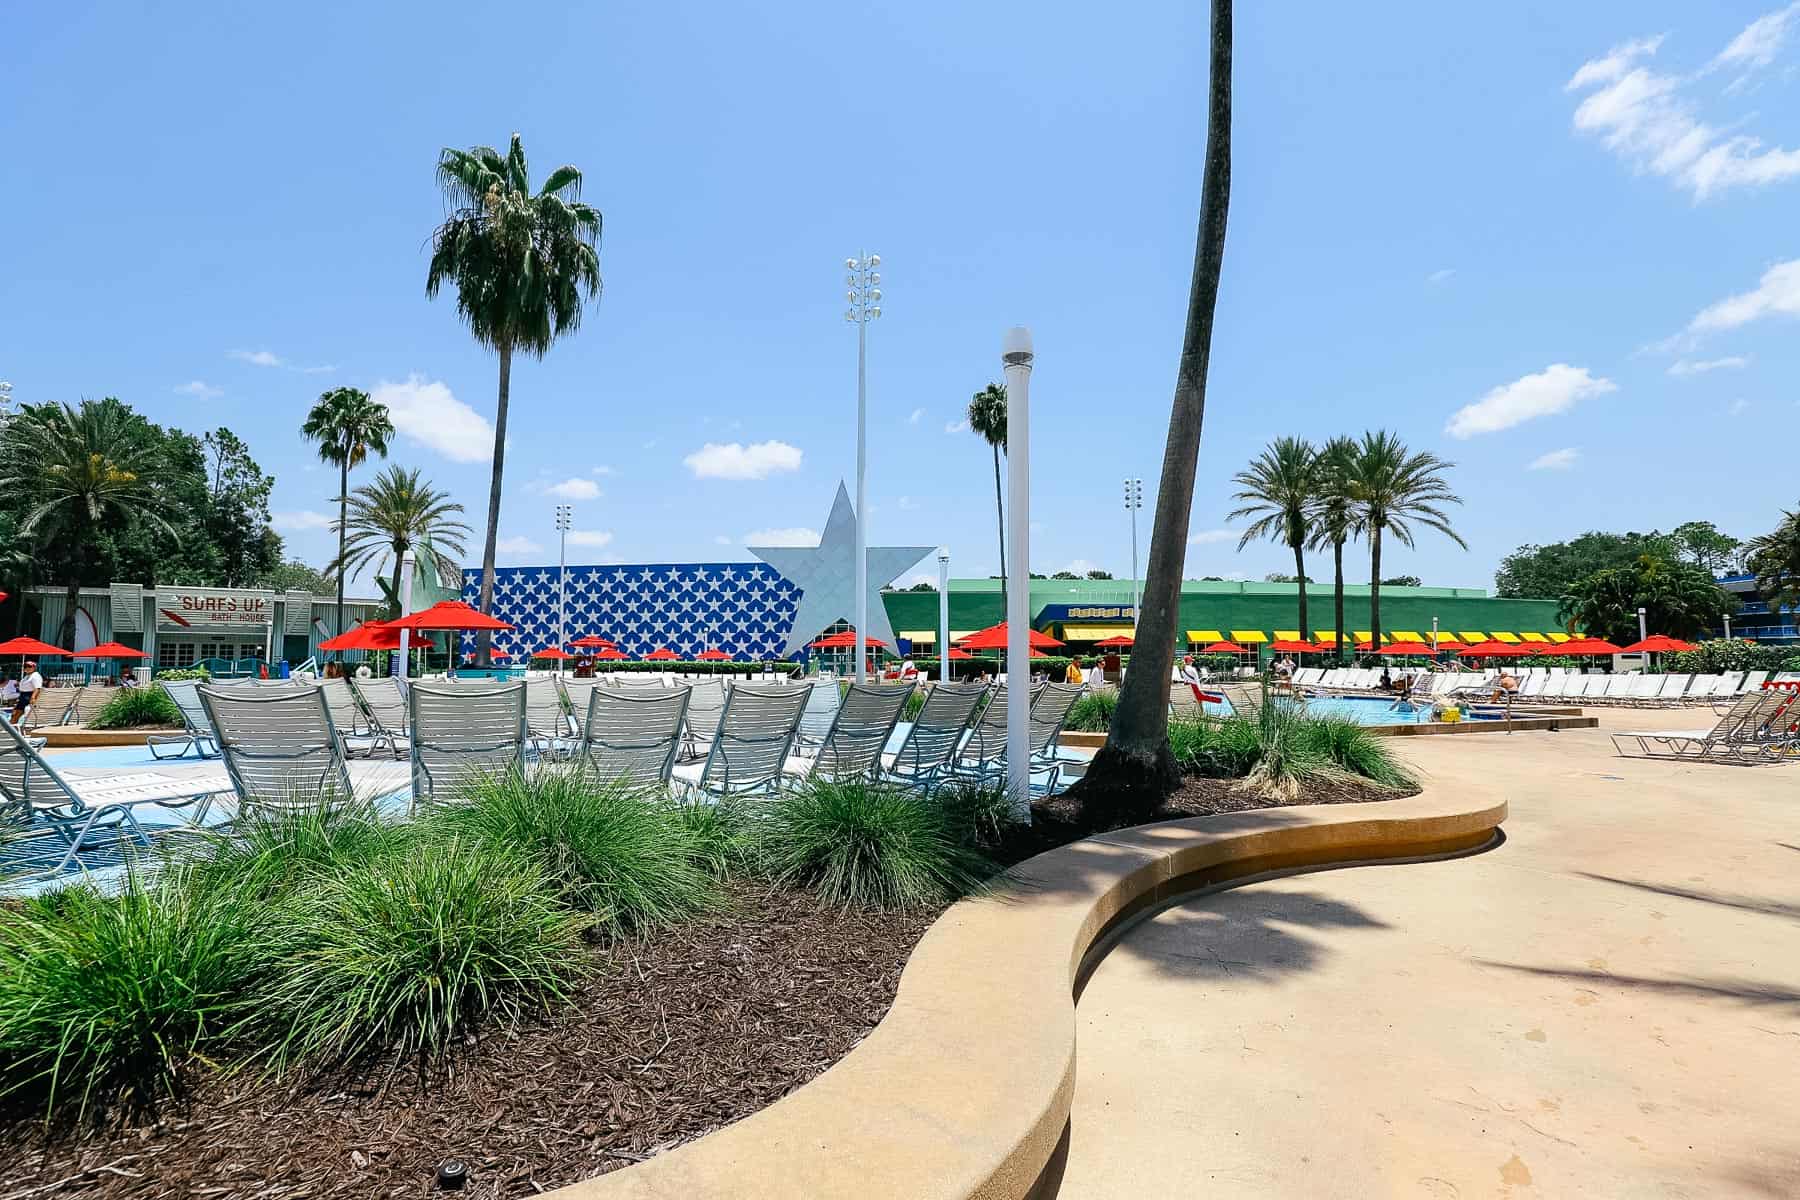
299, 521
1737, 407
918, 414
1643, 117
1776, 294
601, 470
574, 489
429, 413
1730, 362
734, 460
921, 577
1082, 566
1555, 460
199, 390
256, 358
961, 426
1207, 537
797, 536
591, 538
1554, 389
1441, 275
1758, 44
517, 546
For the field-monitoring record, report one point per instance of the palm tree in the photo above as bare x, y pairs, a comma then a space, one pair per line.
1396, 488
987, 417
523, 264
1775, 557
1279, 490
394, 513
1335, 520
348, 426
80, 472
1135, 769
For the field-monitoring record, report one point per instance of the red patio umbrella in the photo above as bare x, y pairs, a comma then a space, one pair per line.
994, 638
1657, 643
110, 650
1222, 648
29, 646
1587, 645
956, 654
1496, 650
370, 635
449, 614
661, 654
1293, 646
594, 642
845, 640
1117, 642
1414, 648
499, 654
612, 652
554, 652
712, 656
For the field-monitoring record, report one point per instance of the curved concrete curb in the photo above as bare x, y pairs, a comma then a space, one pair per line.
963, 1091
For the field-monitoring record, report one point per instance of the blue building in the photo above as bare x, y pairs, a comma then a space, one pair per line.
1756, 620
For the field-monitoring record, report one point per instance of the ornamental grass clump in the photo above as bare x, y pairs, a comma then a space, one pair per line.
610, 848
1354, 749
720, 835
862, 844
135, 708
1093, 711
1281, 750
981, 815
103, 999
410, 954
269, 853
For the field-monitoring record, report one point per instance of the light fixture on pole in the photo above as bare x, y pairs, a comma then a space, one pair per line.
1643, 632
1016, 357
863, 277
1134, 500
943, 614
565, 519
1728, 627
408, 564
1434, 634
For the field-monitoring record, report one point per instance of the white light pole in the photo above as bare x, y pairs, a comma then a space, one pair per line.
1016, 358
565, 518
1728, 627
943, 614
1134, 500
1643, 632
1434, 636
407, 565
864, 296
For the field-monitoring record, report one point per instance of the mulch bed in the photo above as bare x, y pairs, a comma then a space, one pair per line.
678, 1034
1200, 797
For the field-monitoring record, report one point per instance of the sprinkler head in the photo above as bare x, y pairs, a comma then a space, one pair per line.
452, 1173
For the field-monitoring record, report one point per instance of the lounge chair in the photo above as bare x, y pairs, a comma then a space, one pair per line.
822, 708
706, 700
633, 733
1753, 682
545, 717
752, 744
1727, 739
383, 703
860, 728
197, 731
280, 746
924, 757
347, 717
53, 706
575, 694
464, 733
33, 792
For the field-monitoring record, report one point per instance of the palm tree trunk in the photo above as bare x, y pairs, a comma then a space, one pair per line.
484, 642
343, 534
1337, 591
1375, 585
1135, 769
65, 633
1000, 516
1300, 578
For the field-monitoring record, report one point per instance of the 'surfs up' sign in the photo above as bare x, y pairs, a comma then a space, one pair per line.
212, 608
1086, 612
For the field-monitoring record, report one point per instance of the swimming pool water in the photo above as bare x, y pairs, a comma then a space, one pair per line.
1374, 710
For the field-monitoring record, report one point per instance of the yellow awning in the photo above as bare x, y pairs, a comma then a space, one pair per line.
1532, 637
1363, 635
1559, 638
1500, 635
1096, 633
1328, 636
1287, 635
1407, 635
1245, 637
1446, 638
1472, 636
1208, 636
926, 637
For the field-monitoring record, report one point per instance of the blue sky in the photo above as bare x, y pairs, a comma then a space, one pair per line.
1562, 238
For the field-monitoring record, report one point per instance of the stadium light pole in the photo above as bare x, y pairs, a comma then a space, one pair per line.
565, 518
1016, 359
1134, 500
408, 564
943, 614
864, 295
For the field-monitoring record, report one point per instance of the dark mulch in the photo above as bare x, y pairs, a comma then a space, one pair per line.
678, 1034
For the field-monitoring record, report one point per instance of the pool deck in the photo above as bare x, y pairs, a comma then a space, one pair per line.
1608, 1004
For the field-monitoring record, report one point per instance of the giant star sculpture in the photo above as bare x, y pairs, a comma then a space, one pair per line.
826, 576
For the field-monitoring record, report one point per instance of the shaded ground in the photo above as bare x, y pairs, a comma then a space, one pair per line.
678, 1034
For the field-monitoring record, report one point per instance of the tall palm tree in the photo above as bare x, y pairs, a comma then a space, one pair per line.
987, 417
396, 512
1135, 769
523, 263
1335, 520
1775, 557
348, 426
1395, 489
1280, 490
82, 471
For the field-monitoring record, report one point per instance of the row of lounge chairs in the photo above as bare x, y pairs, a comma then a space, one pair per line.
1635, 689
1760, 727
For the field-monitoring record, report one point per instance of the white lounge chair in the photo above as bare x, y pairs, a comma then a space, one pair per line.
1753, 729
280, 747
936, 734
197, 731
383, 703
633, 733
466, 732
860, 728
754, 738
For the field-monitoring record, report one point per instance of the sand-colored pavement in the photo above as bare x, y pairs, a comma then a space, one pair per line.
1607, 1005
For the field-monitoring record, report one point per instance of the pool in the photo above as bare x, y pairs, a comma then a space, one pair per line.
1376, 710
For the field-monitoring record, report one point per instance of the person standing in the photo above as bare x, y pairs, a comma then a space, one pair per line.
29, 685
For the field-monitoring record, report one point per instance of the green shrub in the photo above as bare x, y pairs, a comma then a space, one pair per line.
270, 853
411, 953
858, 843
1717, 655
176, 674
914, 703
1093, 711
607, 847
1354, 749
719, 835
1288, 756
134, 708
1282, 749
103, 998
981, 815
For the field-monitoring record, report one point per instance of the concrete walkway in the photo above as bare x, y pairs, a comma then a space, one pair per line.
1607, 1005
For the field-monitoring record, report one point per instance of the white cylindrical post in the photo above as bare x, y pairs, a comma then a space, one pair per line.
407, 564
944, 614
1434, 636
564, 520
1016, 358
862, 498
1728, 627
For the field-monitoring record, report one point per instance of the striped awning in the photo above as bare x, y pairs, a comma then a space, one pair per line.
1559, 638
1247, 637
1407, 635
1526, 636
1472, 636
1096, 633
1206, 636
1511, 639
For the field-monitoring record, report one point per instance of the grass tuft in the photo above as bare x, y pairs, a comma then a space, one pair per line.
1093, 711
269, 853
981, 815
134, 708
